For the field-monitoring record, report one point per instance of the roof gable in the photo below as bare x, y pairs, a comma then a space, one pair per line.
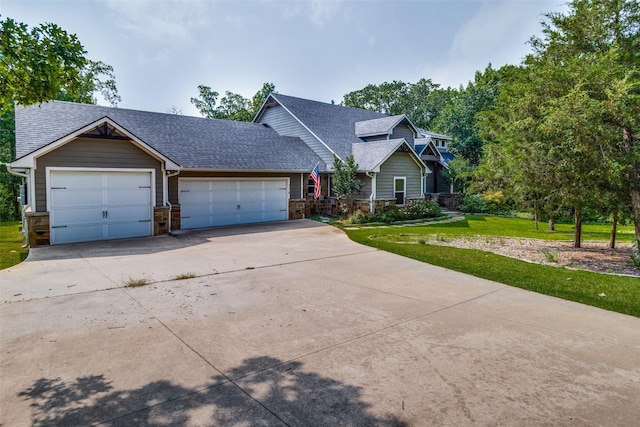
371, 155
333, 125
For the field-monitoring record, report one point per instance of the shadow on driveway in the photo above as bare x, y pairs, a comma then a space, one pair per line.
285, 394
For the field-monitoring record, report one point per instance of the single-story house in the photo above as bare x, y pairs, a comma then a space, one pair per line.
94, 173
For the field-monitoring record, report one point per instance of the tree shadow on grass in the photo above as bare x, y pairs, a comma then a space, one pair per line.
283, 394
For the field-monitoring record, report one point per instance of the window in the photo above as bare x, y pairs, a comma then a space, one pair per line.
399, 189
311, 186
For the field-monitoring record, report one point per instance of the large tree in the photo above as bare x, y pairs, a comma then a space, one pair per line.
232, 106
38, 65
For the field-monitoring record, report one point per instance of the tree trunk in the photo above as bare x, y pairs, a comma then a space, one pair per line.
614, 229
577, 233
552, 225
634, 177
535, 217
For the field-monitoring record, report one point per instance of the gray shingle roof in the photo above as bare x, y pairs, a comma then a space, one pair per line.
333, 124
192, 142
379, 126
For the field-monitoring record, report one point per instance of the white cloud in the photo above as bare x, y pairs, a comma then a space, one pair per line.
159, 20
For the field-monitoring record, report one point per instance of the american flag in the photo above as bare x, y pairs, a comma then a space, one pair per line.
315, 176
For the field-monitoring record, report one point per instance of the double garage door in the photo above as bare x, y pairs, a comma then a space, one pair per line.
214, 202
99, 205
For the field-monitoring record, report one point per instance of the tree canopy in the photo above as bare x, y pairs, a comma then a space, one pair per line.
422, 101
232, 106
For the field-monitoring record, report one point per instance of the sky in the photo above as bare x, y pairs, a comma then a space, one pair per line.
315, 49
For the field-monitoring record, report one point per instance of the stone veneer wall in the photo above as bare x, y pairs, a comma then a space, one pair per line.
160, 221
38, 231
175, 217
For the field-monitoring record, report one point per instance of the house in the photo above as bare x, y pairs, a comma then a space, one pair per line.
94, 173
437, 160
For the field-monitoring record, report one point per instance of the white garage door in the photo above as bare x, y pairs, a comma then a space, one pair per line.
89, 205
213, 202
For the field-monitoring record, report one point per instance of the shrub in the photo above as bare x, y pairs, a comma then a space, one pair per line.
389, 215
358, 217
473, 203
422, 209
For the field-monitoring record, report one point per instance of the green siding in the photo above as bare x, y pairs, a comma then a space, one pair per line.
399, 165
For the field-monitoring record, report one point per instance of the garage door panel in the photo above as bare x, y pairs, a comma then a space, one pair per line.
76, 216
76, 180
127, 229
66, 197
126, 180
77, 233
128, 197
127, 213
229, 202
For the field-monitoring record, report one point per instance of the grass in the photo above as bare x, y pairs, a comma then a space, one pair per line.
478, 225
621, 294
136, 283
184, 276
11, 250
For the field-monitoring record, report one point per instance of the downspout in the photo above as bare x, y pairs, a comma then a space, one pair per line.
27, 177
169, 175
372, 197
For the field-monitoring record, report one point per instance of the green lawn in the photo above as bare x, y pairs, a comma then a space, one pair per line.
11, 251
478, 225
621, 294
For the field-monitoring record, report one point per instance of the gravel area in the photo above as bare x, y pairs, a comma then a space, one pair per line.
593, 256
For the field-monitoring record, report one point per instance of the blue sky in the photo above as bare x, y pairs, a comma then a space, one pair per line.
162, 50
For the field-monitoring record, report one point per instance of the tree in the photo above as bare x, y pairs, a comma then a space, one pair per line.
96, 76
459, 117
346, 184
36, 66
232, 106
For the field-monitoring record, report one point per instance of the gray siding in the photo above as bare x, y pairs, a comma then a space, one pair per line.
284, 124
294, 180
403, 131
94, 153
398, 165
365, 193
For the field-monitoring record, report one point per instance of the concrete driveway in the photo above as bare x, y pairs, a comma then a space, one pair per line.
293, 324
